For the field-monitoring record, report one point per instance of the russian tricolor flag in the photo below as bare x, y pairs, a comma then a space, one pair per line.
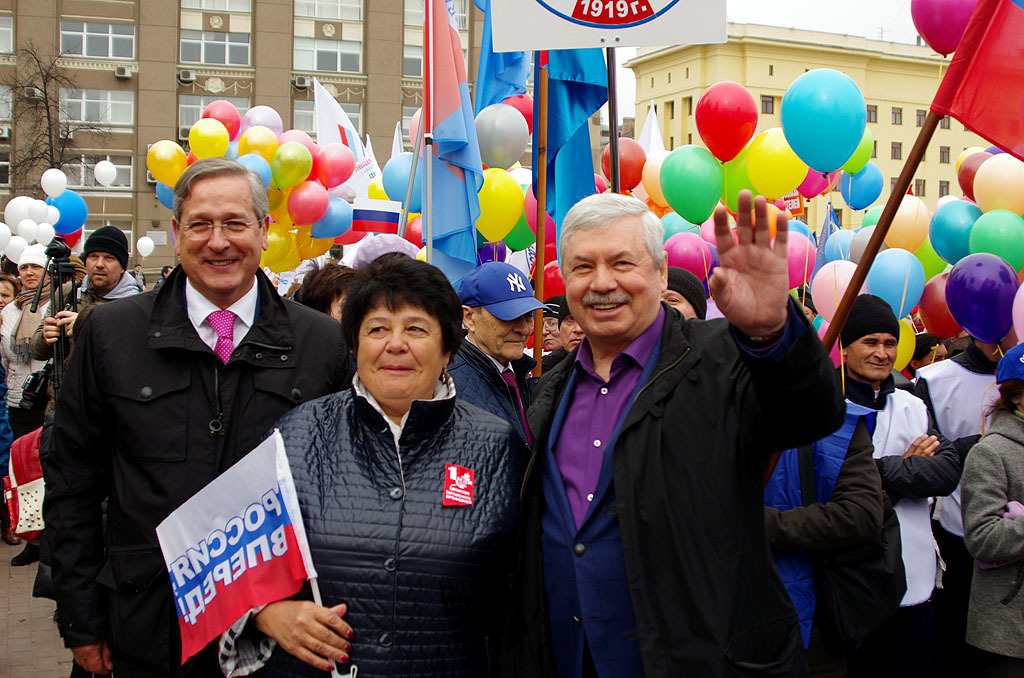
375, 216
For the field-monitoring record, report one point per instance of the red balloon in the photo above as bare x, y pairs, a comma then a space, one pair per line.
414, 232
226, 114
933, 308
349, 237
307, 202
524, 104
631, 163
553, 283
600, 185
190, 158
968, 169
726, 119
72, 238
334, 164
550, 253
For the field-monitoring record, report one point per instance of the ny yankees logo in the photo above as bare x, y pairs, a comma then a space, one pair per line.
515, 283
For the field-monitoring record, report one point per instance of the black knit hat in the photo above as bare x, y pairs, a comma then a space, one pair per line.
553, 306
108, 239
687, 284
869, 315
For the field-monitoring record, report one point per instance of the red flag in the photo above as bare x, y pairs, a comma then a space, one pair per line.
984, 86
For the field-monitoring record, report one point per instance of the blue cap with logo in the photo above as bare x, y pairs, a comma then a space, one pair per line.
1011, 365
501, 288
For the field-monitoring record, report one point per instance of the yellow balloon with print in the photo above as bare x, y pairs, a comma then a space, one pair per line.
166, 161
501, 204
258, 139
905, 344
772, 166
208, 138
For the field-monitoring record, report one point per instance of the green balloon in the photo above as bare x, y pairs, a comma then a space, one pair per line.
932, 263
291, 164
861, 156
1000, 232
691, 180
520, 237
872, 216
735, 179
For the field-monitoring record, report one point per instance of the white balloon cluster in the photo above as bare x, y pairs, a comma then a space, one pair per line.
33, 222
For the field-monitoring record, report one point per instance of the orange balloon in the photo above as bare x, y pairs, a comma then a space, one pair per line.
309, 247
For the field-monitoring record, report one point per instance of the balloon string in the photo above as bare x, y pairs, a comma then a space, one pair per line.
842, 366
906, 282
707, 278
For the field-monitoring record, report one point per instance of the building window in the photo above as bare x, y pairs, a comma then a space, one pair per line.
771, 69
896, 152
944, 123
689, 105
874, 149
97, 106
407, 113
462, 14
944, 155
5, 169
897, 116
302, 117
919, 187
687, 72
412, 61
689, 138
6, 34
921, 115
312, 54
354, 113
670, 77
414, 15
102, 41
943, 188
209, 47
218, 5
81, 171
191, 106
670, 110
767, 105
348, 10
892, 183
671, 143
872, 113
6, 102
839, 217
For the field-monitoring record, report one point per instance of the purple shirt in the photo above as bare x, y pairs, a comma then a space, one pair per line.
596, 409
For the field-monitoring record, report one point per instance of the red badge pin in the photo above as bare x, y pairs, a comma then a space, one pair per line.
458, 486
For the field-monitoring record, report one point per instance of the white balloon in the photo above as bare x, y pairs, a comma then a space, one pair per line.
37, 211
15, 246
45, 233
523, 175
105, 172
945, 200
53, 182
27, 229
145, 246
52, 215
5, 235
17, 209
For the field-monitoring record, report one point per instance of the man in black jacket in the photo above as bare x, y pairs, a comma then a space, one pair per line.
491, 369
643, 549
164, 392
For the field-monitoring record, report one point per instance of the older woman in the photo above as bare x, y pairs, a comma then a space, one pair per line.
993, 492
409, 498
17, 325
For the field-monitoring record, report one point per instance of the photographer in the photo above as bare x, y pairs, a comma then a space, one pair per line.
17, 325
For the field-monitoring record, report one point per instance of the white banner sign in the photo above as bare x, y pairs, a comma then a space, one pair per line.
521, 25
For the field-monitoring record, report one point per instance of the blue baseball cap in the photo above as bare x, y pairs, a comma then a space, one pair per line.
501, 288
1011, 365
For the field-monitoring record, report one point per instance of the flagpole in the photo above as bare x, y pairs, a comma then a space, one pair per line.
882, 228
404, 217
613, 121
541, 193
427, 129
319, 602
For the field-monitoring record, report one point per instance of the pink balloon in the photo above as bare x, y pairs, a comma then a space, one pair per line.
414, 126
301, 137
334, 164
307, 202
600, 185
800, 256
530, 209
690, 251
829, 285
707, 232
834, 354
942, 22
816, 183
1018, 314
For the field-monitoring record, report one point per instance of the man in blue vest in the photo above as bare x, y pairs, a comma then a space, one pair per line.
643, 548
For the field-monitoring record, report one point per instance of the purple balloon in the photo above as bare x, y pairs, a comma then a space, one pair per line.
492, 251
690, 251
979, 292
942, 22
994, 150
262, 115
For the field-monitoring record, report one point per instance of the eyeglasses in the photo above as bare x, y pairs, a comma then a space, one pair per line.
200, 230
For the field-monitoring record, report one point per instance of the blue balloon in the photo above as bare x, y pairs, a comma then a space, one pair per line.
863, 188
335, 221
897, 277
673, 223
256, 163
165, 194
823, 118
395, 178
797, 226
73, 212
838, 246
232, 151
950, 229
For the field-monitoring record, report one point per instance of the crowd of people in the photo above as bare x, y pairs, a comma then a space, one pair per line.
665, 496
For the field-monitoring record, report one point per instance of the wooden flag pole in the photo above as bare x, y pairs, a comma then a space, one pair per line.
613, 121
541, 188
882, 228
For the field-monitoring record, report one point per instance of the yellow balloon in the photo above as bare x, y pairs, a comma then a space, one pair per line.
275, 198
967, 151
905, 344
999, 184
501, 204
166, 160
377, 189
280, 211
208, 138
291, 259
774, 169
309, 247
651, 178
258, 139
278, 238
422, 254
909, 227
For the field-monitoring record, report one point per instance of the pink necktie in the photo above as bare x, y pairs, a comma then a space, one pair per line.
510, 379
223, 323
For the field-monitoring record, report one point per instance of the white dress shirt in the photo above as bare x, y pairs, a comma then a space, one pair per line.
199, 307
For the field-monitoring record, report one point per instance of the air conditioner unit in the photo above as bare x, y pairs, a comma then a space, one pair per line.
123, 73
33, 93
186, 77
183, 133
302, 82
150, 179
5, 133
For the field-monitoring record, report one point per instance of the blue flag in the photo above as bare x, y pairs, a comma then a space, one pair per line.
499, 75
828, 227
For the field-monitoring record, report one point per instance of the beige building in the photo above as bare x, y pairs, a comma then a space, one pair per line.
898, 82
118, 75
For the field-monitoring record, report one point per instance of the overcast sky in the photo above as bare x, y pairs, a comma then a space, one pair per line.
876, 19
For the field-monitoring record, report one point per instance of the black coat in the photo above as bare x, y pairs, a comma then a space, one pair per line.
477, 381
423, 582
148, 415
688, 469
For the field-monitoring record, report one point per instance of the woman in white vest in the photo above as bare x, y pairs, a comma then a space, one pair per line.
915, 463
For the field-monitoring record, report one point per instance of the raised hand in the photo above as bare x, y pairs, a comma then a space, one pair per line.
750, 286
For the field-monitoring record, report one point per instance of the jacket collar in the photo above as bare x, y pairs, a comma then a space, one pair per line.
424, 417
973, 360
478, 359
861, 393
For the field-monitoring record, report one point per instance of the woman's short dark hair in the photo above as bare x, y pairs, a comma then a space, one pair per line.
321, 288
924, 343
1009, 391
395, 280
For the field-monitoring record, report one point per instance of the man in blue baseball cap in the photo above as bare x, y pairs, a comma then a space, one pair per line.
491, 370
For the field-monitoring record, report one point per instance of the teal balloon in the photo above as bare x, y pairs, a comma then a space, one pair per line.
872, 216
691, 181
863, 188
672, 223
897, 277
1000, 232
797, 226
823, 118
950, 229
838, 245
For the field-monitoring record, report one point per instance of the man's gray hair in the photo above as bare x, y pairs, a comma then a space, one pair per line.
600, 210
209, 168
